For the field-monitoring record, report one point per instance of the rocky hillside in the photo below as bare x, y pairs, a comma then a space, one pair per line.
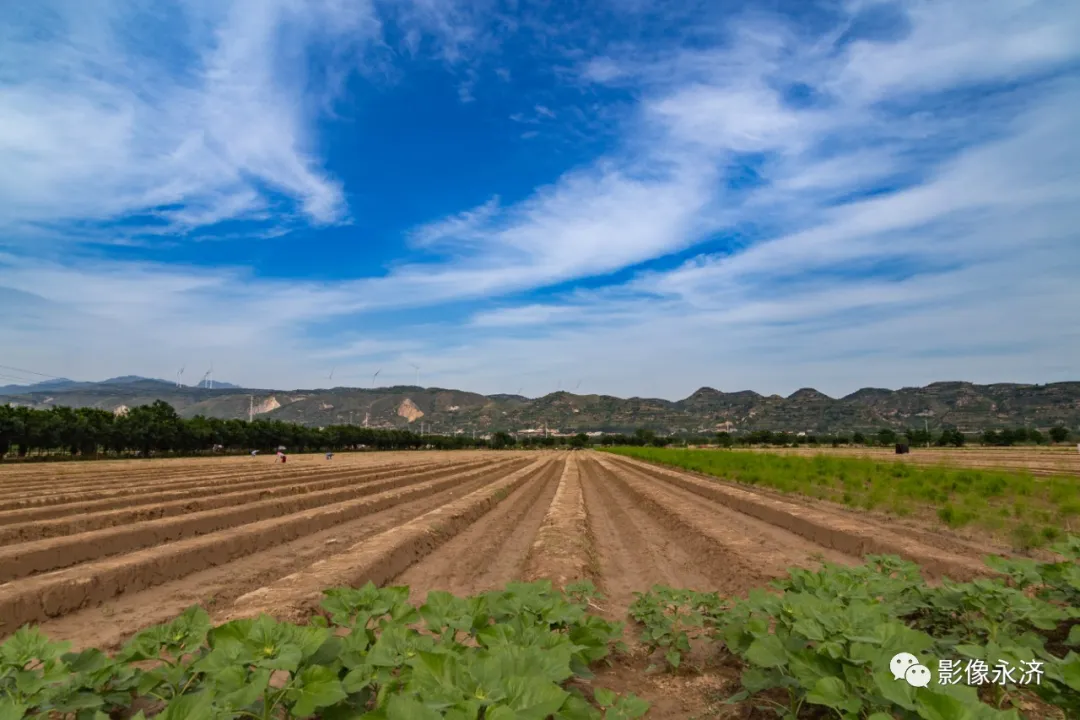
956, 404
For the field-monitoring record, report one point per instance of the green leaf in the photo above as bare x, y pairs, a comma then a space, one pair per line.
832, 692
9, 710
1070, 671
188, 707
767, 652
533, 698
628, 706
1074, 636
318, 687
407, 708
932, 706
604, 697
577, 708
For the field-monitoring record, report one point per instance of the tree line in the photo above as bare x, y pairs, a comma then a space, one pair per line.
158, 429
887, 437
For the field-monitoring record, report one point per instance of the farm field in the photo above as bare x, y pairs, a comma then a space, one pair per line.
92, 553
995, 505
1045, 460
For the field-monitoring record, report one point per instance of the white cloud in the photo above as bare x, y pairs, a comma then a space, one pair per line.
96, 125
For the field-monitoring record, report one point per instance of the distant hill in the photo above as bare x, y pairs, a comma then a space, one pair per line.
63, 384
962, 405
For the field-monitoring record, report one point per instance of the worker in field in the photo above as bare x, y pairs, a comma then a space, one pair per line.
282, 458
329, 455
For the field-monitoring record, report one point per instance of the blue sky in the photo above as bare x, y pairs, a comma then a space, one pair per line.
625, 196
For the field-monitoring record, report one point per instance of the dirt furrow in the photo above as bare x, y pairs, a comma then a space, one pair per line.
53, 594
384, 556
830, 530
88, 521
112, 500
491, 552
634, 550
109, 625
752, 546
563, 550
260, 472
28, 558
106, 472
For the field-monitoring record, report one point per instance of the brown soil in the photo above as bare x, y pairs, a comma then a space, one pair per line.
491, 552
27, 558
79, 518
563, 550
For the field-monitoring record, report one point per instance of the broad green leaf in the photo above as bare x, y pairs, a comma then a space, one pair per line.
319, 687
1074, 636
932, 706
1070, 671
832, 692
577, 708
767, 652
533, 698
407, 708
9, 710
604, 697
189, 707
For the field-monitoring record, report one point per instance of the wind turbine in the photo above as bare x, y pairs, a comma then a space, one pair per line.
577, 386
180, 377
331, 375
417, 368
375, 376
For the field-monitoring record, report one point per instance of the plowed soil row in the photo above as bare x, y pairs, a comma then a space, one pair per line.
33, 599
108, 625
103, 473
27, 558
45, 471
60, 505
262, 466
83, 517
566, 516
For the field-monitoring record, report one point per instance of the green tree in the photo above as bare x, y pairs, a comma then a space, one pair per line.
1058, 434
723, 439
501, 440
580, 440
886, 436
858, 438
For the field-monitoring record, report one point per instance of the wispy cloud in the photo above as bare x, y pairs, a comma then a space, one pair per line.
195, 106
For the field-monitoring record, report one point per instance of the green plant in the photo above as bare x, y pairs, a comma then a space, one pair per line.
370, 654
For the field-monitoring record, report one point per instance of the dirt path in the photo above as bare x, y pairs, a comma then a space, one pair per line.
563, 551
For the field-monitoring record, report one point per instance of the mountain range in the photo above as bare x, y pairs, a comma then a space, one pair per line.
962, 405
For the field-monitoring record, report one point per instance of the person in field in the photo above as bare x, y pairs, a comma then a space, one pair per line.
329, 455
